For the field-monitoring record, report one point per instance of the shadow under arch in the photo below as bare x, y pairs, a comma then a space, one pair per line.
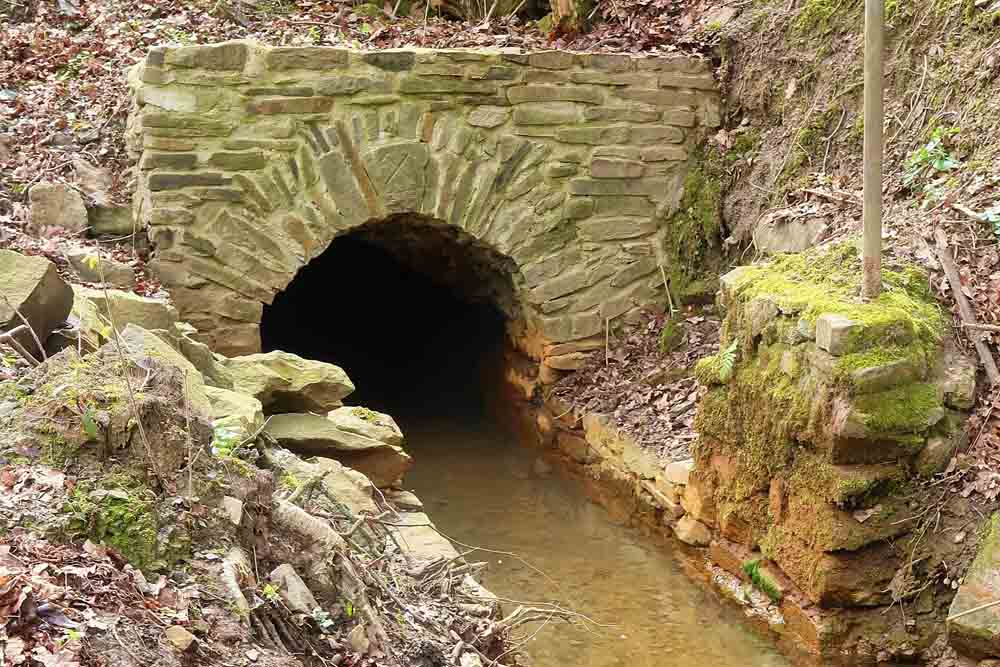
416, 311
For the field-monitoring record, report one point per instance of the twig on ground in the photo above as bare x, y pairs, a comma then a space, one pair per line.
24, 320
965, 310
9, 339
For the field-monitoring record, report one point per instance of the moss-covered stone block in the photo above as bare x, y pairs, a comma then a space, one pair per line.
818, 407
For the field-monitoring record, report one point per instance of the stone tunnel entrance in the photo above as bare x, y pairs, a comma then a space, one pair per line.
414, 310
421, 316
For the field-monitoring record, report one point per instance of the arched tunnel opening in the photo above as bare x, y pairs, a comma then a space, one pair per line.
413, 310
419, 314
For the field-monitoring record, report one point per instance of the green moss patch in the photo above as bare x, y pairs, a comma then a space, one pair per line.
117, 511
911, 408
693, 247
828, 280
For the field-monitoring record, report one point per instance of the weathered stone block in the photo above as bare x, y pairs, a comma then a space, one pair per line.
678, 472
546, 113
834, 333
151, 160
578, 208
488, 116
699, 497
167, 181
179, 98
55, 205
609, 62
663, 154
658, 98
94, 269
543, 93
279, 105
418, 85
657, 134
313, 435
305, 57
233, 161
613, 79
692, 532
390, 61
594, 135
228, 56
622, 114
606, 168
615, 229
32, 286
977, 634
624, 187
561, 170
552, 59
208, 125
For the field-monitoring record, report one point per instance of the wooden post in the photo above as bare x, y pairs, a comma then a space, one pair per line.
871, 255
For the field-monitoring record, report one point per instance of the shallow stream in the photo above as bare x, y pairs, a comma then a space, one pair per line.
482, 488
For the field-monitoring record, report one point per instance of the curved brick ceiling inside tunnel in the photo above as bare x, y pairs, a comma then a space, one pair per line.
252, 159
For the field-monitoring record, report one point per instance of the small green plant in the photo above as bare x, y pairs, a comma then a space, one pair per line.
89, 423
225, 440
761, 580
349, 608
717, 368
270, 593
932, 158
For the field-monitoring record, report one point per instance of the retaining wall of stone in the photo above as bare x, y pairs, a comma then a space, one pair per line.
252, 159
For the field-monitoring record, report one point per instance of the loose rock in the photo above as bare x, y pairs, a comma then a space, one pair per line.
285, 382
375, 425
32, 286
693, 532
56, 205
94, 269
313, 435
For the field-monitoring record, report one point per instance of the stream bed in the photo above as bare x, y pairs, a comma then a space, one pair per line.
481, 487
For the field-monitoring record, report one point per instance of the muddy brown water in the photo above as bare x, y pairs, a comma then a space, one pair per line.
482, 488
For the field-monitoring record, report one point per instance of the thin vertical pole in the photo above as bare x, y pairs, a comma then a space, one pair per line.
871, 279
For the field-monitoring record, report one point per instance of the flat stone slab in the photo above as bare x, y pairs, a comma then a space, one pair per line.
285, 382
313, 435
369, 423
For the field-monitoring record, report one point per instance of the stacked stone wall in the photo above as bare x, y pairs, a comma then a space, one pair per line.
253, 158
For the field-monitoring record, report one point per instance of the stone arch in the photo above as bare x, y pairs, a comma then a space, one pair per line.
252, 159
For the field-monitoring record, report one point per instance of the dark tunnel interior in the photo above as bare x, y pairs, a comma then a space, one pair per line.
410, 344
